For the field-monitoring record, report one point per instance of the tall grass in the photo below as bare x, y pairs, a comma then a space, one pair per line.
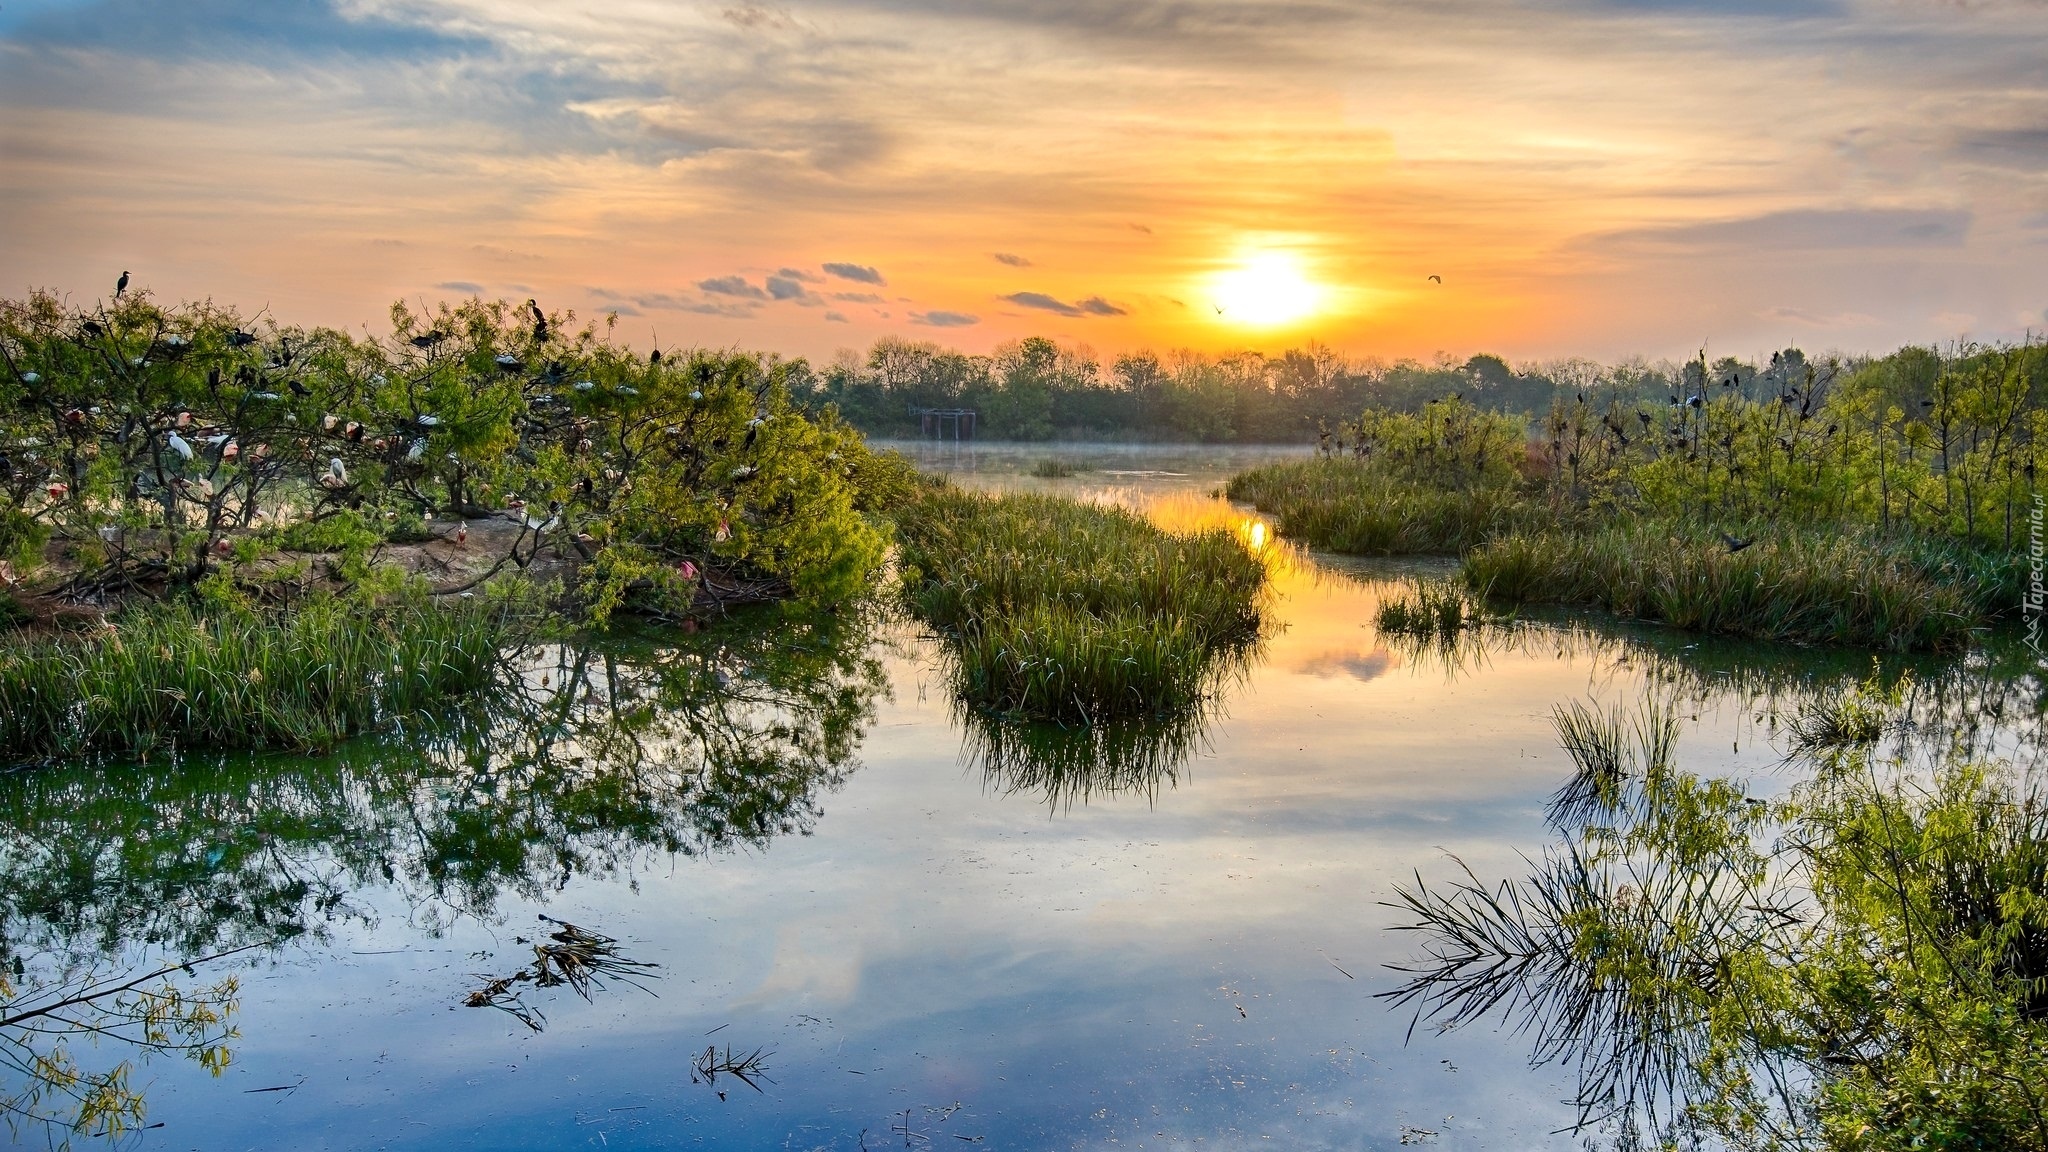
1796, 587
175, 675
1074, 612
1358, 507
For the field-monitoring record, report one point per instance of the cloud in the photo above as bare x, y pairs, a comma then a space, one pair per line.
2020, 149
859, 272
1093, 306
732, 286
1807, 229
836, 318
859, 297
783, 288
799, 275
669, 303
1013, 260
944, 319
462, 286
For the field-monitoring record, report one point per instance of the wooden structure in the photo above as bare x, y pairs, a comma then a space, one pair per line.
936, 423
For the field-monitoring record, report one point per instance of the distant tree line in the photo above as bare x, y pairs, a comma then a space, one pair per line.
1036, 389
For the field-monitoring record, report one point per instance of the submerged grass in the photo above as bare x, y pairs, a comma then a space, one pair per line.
1807, 588
1071, 612
180, 676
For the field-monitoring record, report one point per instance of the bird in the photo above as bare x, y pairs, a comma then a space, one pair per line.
654, 357
299, 389
337, 474
462, 533
240, 339
179, 446
1437, 278
540, 322
121, 285
429, 338
1735, 545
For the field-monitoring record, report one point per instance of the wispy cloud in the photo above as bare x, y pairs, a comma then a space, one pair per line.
1092, 306
1010, 258
463, 286
731, 286
944, 319
858, 272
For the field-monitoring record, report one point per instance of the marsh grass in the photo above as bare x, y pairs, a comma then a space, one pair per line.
1356, 507
1805, 588
1077, 613
175, 675
1051, 469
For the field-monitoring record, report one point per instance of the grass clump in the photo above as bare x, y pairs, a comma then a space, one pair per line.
1076, 613
179, 675
1806, 588
1432, 608
1051, 469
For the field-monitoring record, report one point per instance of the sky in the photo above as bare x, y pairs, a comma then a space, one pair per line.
1533, 178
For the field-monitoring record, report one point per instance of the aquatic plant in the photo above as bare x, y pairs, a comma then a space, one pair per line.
1862, 964
1076, 612
1052, 468
1357, 507
1432, 608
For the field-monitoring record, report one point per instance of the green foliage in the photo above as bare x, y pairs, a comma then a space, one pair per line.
1357, 508
1072, 612
1051, 469
1431, 608
1863, 965
147, 444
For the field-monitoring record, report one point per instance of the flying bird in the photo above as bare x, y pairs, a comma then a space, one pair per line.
121, 285
1438, 279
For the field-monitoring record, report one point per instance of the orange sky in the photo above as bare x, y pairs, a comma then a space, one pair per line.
1587, 177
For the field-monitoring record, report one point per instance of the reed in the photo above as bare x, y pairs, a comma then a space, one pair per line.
1802, 588
1051, 469
1433, 608
173, 675
1075, 612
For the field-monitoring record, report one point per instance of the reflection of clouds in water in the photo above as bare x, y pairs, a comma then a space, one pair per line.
1331, 663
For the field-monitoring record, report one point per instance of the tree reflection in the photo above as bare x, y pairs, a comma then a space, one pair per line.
585, 760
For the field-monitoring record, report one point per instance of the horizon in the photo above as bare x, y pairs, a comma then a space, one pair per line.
1551, 179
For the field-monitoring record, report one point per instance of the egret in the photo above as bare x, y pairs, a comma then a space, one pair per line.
179, 446
337, 474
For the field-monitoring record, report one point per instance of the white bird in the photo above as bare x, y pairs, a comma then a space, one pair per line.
428, 421
179, 446
628, 390
31, 378
695, 395
418, 449
337, 474
583, 385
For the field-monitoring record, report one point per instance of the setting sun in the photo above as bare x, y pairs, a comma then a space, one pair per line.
1264, 290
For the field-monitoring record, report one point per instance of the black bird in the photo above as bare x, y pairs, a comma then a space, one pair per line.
428, 339
654, 357
240, 339
92, 328
1735, 545
540, 323
1438, 279
121, 285
1927, 403
299, 389
1695, 400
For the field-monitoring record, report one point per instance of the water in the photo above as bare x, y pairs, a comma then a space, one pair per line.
928, 950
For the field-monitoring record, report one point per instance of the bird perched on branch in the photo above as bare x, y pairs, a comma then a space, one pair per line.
121, 285
540, 322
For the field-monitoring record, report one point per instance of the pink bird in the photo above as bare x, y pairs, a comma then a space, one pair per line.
688, 570
462, 533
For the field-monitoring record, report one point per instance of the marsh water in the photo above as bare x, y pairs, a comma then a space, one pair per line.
932, 935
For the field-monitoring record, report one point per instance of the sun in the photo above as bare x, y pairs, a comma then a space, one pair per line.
1265, 290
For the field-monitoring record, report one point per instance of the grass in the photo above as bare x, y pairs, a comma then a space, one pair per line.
174, 675
1349, 506
1076, 613
1433, 608
1805, 588
1050, 469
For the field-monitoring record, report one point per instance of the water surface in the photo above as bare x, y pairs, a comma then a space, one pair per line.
929, 947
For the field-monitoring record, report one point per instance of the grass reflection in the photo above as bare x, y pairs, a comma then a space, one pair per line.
1064, 766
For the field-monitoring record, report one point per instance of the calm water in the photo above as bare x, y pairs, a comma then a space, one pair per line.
932, 949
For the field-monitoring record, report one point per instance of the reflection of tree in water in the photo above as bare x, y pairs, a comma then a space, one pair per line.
1860, 964
1066, 765
584, 761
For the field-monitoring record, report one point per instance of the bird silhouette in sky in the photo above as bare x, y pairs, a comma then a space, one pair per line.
1438, 279
121, 285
